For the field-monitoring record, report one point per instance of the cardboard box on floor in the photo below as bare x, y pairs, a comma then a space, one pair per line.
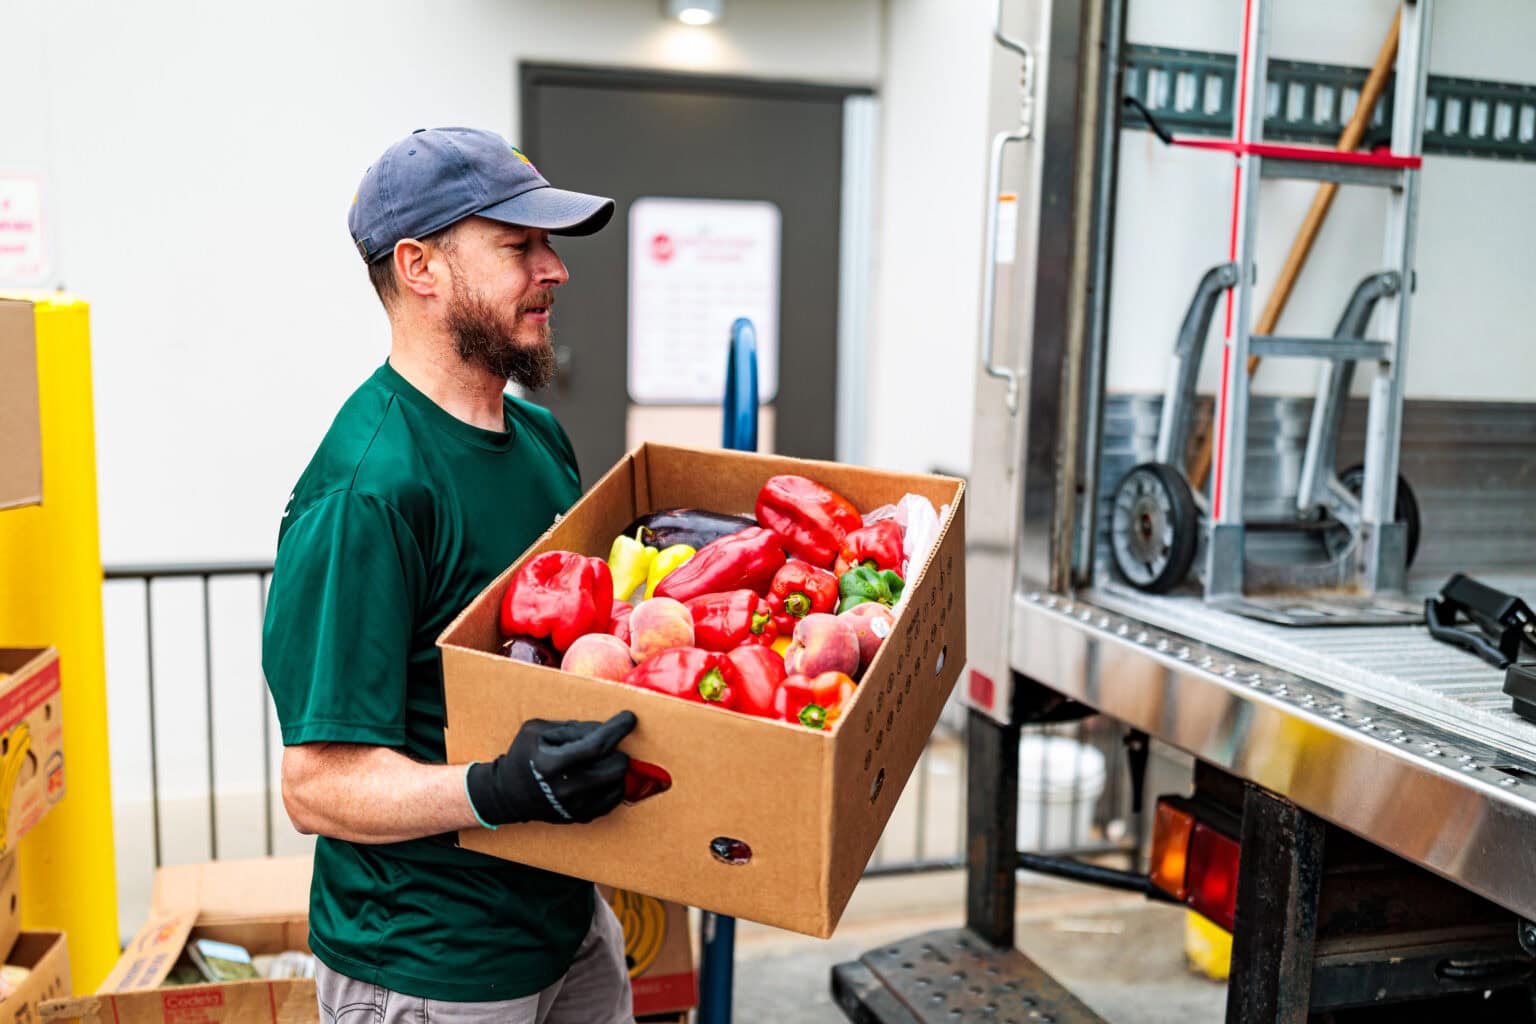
31, 740
46, 956
809, 805
260, 904
659, 951
21, 451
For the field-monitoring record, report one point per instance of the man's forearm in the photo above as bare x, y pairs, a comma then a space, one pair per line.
367, 794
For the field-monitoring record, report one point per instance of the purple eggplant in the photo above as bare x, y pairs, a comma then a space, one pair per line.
531, 649
694, 527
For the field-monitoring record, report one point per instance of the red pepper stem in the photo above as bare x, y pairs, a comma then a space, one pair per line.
797, 605
813, 716
712, 685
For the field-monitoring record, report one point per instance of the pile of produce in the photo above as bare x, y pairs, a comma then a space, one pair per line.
776, 615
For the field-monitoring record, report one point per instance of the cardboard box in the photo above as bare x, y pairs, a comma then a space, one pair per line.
31, 740
260, 904
10, 902
21, 448
659, 950
47, 955
809, 805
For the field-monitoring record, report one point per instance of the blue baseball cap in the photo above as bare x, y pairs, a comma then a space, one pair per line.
435, 177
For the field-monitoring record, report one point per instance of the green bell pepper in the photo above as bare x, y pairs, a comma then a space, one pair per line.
862, 585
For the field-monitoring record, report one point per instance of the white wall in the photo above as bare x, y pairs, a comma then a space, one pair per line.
1470, 317
927, 278
203, 157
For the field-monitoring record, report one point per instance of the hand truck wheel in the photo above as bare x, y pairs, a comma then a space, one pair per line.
1337, 538
1155, 530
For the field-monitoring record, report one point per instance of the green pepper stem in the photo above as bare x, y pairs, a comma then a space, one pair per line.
798, 605
813, 716
712, 686
760, 622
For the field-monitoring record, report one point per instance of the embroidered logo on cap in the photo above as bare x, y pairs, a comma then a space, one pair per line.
519, 154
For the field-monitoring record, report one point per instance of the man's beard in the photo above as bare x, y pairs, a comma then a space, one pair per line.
485, 337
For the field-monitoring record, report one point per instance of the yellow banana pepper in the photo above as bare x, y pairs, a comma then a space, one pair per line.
630, 563
665, 561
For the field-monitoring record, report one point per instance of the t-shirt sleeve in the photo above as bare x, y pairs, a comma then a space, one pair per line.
341, 611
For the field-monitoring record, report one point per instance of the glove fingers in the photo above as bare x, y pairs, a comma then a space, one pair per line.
594, 742
558, 734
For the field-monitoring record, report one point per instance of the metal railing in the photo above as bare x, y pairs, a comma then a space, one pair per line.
926, 832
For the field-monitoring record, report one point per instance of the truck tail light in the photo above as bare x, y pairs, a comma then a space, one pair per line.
1171, 828
1212, 875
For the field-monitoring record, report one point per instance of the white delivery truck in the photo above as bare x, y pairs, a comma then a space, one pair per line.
1308, 579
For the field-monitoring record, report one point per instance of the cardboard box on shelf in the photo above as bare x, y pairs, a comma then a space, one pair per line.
798, 811
261, 904
46, 957
31, 740
659, 951
10, 902
21, 450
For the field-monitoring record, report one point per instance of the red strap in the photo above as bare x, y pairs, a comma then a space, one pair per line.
1314, 154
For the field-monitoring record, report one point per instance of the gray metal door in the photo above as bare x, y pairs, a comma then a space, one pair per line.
635, 134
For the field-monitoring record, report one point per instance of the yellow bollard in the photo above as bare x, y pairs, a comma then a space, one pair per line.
50, 593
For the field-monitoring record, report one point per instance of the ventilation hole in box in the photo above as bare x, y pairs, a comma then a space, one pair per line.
730, 851
47, 712
13, 904
939, 665
880, 701
879, 739
869, 720
868, 757
5, 745
890, 718
876, 785
901, 698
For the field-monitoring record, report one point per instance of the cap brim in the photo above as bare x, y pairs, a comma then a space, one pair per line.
553, 209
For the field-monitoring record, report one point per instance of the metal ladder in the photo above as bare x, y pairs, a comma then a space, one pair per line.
1380, 558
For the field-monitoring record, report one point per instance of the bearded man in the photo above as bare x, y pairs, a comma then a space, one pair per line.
430, 482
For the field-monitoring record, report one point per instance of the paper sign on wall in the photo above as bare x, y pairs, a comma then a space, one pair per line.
695, 265
23, 258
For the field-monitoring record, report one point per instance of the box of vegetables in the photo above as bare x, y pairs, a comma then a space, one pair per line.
786, 631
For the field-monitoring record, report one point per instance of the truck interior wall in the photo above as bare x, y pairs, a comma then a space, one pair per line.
1470, 319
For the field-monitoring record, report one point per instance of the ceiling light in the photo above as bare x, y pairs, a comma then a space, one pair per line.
695, 12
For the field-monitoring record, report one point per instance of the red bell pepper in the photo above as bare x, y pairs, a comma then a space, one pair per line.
689, 673
741, 561
755, 674
798, 590
618, 623
876, 547
560, 595
815, 703
812, 519
724, 622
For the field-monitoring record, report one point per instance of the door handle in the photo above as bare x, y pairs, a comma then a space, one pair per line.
1000, 143
564, 357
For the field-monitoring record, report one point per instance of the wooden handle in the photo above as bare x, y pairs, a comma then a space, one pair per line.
1311, 225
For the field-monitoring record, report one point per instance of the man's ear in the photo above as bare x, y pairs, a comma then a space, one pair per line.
415, 269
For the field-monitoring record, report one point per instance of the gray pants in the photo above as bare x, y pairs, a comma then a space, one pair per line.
594, 991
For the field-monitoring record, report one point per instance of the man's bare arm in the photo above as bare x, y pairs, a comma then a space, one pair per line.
368, 794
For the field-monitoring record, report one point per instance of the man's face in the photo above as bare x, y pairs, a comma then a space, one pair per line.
504, 281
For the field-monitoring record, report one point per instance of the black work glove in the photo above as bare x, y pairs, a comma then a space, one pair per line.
560, 772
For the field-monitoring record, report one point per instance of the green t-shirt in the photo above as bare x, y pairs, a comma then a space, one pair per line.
403, 516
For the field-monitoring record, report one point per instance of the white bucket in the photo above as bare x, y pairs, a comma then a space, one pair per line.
1060, 782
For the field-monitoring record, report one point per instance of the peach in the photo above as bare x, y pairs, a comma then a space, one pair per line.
822, 643
872, 623
659, 624
598, 654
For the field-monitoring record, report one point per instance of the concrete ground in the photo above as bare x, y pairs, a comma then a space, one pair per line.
1120, 954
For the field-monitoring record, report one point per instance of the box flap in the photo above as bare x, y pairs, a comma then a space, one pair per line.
229, 891
21, 456
151, 954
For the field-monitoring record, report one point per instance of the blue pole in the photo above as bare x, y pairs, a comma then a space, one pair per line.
717, 969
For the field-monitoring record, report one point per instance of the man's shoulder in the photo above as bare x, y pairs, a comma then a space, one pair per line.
367, 450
